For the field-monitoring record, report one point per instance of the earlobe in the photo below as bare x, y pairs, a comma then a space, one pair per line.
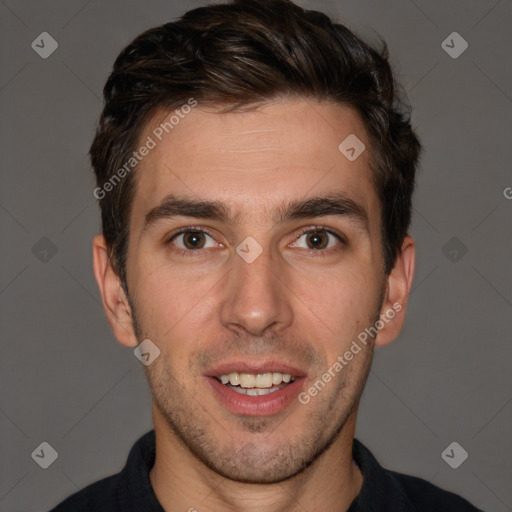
114, 299
398, 288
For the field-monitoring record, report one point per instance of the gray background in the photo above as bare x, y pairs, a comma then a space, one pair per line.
64, 378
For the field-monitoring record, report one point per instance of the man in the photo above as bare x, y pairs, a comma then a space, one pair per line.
255, 169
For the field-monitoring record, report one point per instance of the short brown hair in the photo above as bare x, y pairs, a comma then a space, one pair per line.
241, 53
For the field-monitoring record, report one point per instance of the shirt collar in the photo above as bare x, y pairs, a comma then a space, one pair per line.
380, 491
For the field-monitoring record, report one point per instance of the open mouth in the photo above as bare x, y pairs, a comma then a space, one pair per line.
256, 384
256, 389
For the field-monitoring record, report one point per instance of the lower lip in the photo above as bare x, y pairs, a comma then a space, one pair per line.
261, 405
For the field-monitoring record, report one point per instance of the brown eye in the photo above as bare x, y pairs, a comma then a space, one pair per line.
317, 240
194, 239
191, 240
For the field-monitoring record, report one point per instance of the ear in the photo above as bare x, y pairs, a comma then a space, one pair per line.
114, 298
398, 287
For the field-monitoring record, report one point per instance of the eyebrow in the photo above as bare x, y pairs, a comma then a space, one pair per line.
338, 204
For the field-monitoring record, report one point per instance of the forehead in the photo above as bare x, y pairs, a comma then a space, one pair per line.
253, 161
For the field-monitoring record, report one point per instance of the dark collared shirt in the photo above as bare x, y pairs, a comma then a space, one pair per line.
382, 490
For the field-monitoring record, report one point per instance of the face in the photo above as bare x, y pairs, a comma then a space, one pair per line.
255, 249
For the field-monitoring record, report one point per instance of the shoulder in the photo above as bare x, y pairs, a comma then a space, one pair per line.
390, 491
127, 491
100, 495
427, 497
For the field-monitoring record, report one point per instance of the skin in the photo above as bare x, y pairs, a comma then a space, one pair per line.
289, 305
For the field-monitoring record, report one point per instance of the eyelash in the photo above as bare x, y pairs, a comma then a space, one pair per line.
320, 253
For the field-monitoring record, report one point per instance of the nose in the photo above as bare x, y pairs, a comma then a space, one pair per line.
255, 297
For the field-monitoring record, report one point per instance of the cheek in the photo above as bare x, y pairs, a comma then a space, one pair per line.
344, 299
343, 308
173, 303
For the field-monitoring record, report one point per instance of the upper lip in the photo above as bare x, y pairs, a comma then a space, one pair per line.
255, 368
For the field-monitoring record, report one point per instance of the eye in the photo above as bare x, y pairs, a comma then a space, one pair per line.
317, 239
192, 239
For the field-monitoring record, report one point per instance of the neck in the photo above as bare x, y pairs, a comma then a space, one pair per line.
181, 482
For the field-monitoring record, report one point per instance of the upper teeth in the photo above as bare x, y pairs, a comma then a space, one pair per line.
261, 380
